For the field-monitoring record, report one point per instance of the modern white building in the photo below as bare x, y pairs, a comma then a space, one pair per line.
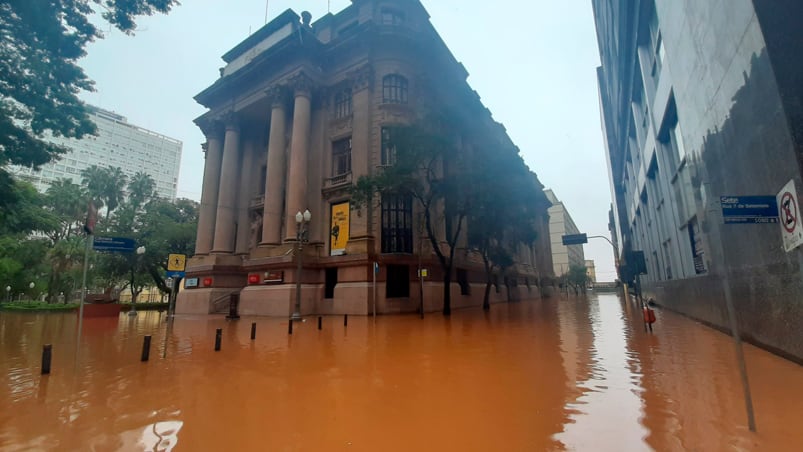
118, 143
560, 224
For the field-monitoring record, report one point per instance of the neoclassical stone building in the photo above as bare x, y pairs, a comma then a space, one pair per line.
300, 111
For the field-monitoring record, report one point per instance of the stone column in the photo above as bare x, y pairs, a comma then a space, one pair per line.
274, 181
227, 195
297, 180
246, 225
208, 209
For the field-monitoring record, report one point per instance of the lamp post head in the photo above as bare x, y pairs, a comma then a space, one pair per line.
307, 215
299, 217
141, 250
32, 285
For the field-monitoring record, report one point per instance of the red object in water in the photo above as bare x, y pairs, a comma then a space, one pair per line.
207, 282
101, 309
649, 315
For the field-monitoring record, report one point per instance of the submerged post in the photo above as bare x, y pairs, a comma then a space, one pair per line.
320, 319
346, 320
218, 335
253, 331
47, 354
290, 327
146, 349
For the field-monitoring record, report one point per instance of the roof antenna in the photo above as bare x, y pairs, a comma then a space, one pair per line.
328, 6
266, 11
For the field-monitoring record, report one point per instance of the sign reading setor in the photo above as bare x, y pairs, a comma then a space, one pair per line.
749, 209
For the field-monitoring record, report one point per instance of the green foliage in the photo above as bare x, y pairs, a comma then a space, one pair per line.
26, 215
504, 208
40, 45
429, 167
577, 277
104, 186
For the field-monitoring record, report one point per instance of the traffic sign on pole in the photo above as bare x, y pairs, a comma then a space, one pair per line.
575, 239
789, 215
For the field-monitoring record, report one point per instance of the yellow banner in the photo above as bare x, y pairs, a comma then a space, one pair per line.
339, 229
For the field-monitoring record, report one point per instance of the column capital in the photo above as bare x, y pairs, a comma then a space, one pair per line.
231, 120
278, 96
211, 128
361, 78
301, 84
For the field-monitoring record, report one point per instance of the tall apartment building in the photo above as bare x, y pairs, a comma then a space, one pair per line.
560, 224
118, 143
702, 103
300, 111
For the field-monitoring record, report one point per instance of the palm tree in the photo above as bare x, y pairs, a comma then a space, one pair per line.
93, 180
114, 195
141, 189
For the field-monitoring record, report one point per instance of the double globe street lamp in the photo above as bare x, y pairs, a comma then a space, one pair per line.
302, 225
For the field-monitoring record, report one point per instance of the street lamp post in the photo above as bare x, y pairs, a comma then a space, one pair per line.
133, 312
8, 293
302, 224
31, 286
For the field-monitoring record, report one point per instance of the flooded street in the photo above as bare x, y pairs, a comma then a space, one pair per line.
577, 374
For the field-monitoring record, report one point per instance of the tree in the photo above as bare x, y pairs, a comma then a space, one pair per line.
577, 278
41, 44
141, 189
27, 214
427, 166
504, 210
104, 186
65, 200
114, 195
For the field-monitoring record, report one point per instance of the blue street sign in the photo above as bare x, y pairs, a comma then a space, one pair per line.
749, 209
174, 274
575, 239
114, 244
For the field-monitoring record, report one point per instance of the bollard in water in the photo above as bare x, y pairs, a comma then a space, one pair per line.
253, 331
346, 320
320, 319
218, 335
47, 353
290, 327
146, 348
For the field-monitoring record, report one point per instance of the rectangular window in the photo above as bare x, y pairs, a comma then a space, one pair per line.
343, 103
341, 157
397, 224
398, 281
392, 17
388, 147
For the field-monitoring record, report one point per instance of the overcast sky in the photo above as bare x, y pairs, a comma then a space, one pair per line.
533, 64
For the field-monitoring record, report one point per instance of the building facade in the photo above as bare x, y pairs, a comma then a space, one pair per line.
301, 110
118, 143
560, 223
702, 102
591, 271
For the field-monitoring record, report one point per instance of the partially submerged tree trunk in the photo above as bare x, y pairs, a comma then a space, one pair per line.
486, 303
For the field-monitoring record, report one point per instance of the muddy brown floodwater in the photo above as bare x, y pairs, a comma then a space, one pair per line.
577, 374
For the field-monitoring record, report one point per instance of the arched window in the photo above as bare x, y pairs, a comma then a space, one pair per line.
394, 89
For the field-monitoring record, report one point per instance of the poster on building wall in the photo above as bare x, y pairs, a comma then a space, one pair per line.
789, 216
339, 229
